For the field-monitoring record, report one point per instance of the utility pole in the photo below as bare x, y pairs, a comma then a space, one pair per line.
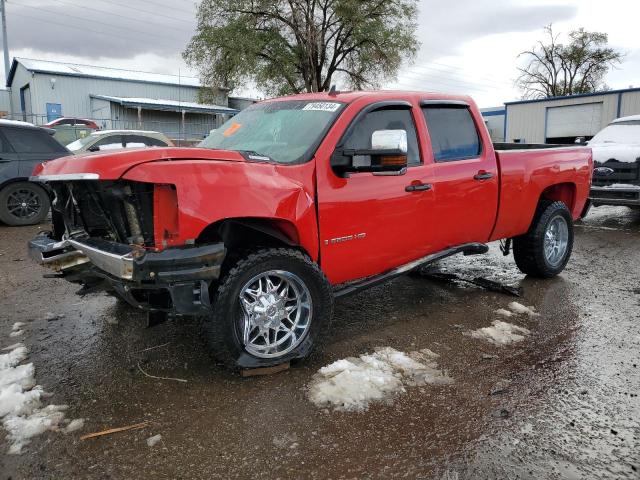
5, 45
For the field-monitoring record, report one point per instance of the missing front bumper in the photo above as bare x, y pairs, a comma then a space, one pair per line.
175, 280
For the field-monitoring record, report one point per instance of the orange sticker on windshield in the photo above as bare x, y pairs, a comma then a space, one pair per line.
232, 129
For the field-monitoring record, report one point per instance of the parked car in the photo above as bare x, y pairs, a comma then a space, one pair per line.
300, 199
119, 139
75, 122
22, 147
616, 155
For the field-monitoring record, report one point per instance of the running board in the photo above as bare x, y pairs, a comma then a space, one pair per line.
357, 285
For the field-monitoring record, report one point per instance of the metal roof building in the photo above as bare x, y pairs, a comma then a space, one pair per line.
563, 119
42, 90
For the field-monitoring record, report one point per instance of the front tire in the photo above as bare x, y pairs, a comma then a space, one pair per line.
272, 307
545, 249
23, 203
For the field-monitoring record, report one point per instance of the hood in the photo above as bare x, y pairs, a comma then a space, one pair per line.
112, 165
627, 153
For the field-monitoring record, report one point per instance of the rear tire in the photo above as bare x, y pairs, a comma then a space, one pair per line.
545, 249
23, 203
273, 306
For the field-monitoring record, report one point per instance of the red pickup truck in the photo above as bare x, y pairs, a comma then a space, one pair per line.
300, 199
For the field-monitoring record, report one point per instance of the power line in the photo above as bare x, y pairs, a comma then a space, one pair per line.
450, 82
105, 12
66, 15
76, 27
169, 6
488, 81
149, 12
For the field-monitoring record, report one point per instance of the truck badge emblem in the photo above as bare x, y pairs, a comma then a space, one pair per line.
357, 236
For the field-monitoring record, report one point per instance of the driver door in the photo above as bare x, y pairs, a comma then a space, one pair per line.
373, 222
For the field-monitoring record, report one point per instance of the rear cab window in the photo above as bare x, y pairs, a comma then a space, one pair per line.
453, 132
110, 142
31, 140
138, 141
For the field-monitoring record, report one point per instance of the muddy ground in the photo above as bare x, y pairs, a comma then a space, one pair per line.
570, 410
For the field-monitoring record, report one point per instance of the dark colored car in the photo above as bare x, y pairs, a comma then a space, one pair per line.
22, 147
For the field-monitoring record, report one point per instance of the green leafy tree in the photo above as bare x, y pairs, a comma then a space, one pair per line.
556, 69
293, 46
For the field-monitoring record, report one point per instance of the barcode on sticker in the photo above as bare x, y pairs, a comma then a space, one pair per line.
322, 106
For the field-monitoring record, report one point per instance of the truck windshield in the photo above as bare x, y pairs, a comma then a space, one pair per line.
620, 132
284, 132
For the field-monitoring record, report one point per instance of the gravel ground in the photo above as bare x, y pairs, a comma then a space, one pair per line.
562, 403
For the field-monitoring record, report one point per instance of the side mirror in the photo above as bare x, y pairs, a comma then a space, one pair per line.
93, 149
388, 154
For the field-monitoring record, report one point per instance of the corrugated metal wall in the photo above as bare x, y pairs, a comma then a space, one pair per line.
630, 104
73, 93
527, 121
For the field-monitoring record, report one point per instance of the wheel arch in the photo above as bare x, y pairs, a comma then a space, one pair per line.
252, 232
560, 192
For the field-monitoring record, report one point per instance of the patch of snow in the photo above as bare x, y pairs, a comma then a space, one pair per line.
152, 441
503, 312
516, 307
17, 326
16, 333
500, 333
352, 384
74, 425
22, 428
17, 354
21, 409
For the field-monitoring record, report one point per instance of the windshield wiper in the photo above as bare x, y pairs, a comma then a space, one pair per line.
255, 156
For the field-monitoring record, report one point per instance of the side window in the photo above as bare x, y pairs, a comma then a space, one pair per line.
112, 142
4, 145
453, 133
32, 140
385, 119
137, 141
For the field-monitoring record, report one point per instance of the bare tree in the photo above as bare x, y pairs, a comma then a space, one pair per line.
555, 69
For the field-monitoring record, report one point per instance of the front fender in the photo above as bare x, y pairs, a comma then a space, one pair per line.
210, 191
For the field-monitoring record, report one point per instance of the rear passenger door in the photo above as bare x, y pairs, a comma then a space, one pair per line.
33, 146
465, 174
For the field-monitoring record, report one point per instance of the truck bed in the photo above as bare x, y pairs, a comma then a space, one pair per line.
526, 173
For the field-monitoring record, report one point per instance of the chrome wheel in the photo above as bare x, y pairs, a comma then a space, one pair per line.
23, 203
556, 240
276, 313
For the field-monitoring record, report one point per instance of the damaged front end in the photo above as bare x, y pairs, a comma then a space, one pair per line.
122, 236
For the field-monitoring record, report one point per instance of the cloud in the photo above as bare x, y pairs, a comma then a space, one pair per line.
444, 28
119, 29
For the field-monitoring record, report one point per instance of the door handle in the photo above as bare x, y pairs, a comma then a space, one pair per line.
418, 187
482, 175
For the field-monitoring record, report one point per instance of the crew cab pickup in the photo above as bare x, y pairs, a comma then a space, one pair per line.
298, 200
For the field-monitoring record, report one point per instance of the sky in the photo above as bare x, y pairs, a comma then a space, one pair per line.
467, 46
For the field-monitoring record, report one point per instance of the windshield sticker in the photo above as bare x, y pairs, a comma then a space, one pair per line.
233, 128
322, 106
